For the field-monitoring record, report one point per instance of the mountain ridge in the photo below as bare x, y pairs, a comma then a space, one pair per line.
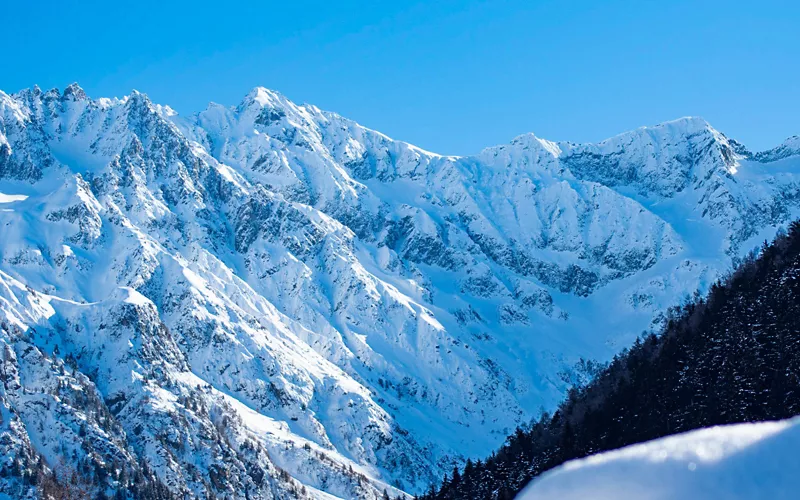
76, 89
374, 301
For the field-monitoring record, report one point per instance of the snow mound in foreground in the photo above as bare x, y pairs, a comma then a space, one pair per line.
744, 461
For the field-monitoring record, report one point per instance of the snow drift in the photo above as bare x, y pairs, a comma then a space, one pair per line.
736, 462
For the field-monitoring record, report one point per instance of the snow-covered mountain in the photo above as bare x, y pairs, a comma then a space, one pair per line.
270, 298
735, 462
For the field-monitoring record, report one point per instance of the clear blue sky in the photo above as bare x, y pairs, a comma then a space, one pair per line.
449, 76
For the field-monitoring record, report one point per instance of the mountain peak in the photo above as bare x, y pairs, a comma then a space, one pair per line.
792, 142
74, 92
680, 127
687, 122
264, 97
137, 99
531, 141
53, 93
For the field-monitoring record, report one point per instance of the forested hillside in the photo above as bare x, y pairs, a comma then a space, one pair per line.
731, 357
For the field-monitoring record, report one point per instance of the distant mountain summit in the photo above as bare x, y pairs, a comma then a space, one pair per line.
270, 300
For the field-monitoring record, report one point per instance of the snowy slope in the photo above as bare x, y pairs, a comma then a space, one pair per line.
367, 313
737, 462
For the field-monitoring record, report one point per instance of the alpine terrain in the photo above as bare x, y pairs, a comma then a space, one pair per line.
731, 357
272, 301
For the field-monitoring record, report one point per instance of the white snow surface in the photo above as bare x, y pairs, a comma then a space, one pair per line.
10, 198
354, 302
736, 462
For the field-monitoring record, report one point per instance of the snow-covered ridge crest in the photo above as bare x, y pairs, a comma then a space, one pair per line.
365, 312
789, 148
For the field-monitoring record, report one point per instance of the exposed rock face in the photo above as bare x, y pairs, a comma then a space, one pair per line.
269, 299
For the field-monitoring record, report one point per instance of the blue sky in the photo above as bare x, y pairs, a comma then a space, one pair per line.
451, 77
